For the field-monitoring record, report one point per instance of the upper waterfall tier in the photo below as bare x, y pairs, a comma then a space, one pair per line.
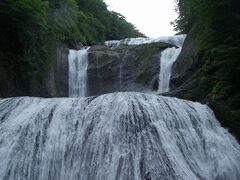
167, 58
127, 136
174, 40
78, 64
117, 67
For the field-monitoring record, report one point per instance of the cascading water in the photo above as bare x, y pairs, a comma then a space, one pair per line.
127, 136
124, 136
175, 40
78, 64
167, 58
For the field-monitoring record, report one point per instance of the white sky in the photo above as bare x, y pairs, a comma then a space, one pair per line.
151, 17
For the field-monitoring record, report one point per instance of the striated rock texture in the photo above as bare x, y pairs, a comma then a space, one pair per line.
183, 67
121, 68
57, 77
124, 68
124, 136
53, 82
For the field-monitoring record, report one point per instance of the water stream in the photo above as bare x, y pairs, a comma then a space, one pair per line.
78, 64
127, 136
167, 58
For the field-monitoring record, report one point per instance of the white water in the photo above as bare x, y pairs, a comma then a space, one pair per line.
78, 64
175, 40
167, 58
127, 136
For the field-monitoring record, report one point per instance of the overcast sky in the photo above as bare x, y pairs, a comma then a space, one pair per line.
151, 17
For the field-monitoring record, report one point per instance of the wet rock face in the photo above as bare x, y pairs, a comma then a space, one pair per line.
103, 70
57, 77
124, 68
53, 82
182, 67
187, 83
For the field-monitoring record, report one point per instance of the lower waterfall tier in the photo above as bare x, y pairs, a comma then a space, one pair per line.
123, 136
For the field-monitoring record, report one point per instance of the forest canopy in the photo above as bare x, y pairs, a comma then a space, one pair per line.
31, 30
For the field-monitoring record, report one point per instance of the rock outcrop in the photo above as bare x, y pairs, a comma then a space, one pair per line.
183, 68
120, 68
57, 78
188, 83
53, 82
124, 68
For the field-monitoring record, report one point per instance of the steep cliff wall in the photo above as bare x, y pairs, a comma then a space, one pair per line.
121, 68
52, 83
56, 80
193, 78
124, 68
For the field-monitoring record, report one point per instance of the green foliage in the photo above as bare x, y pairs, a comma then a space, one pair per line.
31, 30
217, 32
99, 24
23, 32
119, 28
216, 28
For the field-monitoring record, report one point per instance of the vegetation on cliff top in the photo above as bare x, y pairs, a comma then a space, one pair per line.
32, 29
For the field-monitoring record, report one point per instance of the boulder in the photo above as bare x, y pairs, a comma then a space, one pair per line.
124, 68
183, 66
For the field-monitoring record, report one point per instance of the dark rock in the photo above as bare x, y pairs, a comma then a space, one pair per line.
57, 77
226, 117
51, 83
124, 68
103, 70
183, 66
188, 83
182, 91
11, 84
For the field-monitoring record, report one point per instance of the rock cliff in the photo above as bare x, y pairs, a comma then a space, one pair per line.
124, 68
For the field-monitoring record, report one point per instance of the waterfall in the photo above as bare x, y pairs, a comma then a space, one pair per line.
167, 58
124, 135
175, 40
127, 136
78, 64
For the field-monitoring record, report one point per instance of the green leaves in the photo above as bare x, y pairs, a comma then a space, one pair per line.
31, 30
97, 24
217, 34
